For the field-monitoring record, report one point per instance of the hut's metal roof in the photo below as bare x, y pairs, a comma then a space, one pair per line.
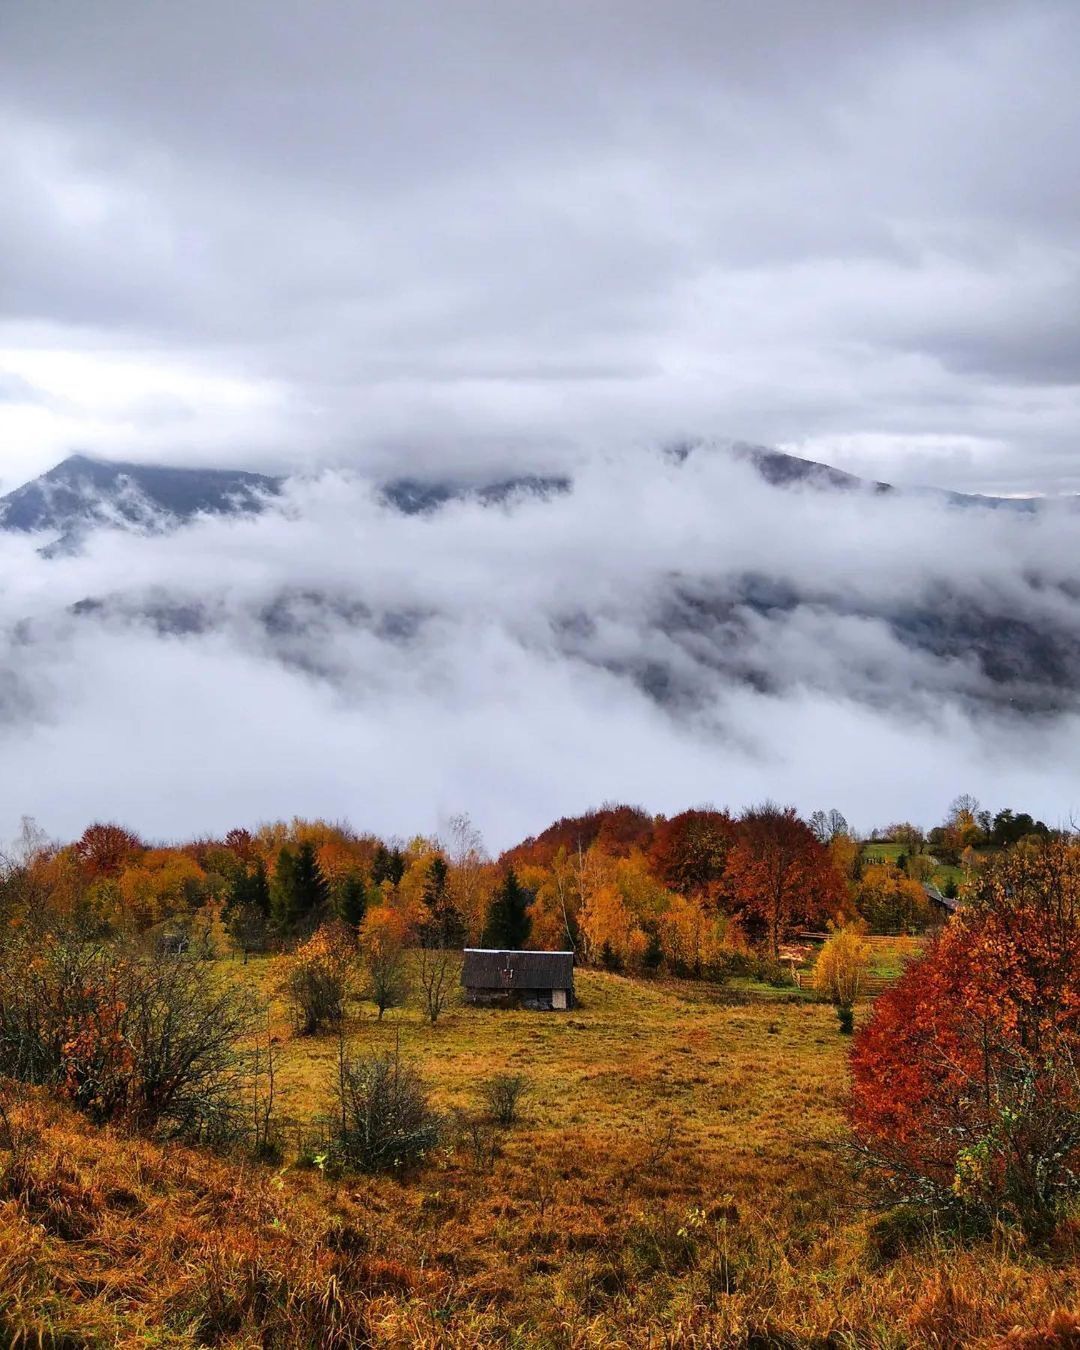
489, 968
936, 897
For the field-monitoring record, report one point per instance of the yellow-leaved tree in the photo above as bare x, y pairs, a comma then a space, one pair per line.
842, 964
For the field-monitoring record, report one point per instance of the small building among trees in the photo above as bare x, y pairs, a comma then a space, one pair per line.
944, 906
540, 980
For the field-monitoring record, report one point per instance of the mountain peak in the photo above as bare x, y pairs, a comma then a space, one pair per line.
81, 492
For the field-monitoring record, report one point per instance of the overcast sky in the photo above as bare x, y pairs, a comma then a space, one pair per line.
281, 235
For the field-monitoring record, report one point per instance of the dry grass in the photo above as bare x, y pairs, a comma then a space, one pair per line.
674, 1183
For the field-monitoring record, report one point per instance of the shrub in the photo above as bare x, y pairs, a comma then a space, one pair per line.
895, 1232
504, 1096
845, 1015
610, 959
768, 971
477, 1138
149, 1037
318, 979
382, 1121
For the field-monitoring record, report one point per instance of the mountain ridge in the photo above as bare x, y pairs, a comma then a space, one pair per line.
82, 493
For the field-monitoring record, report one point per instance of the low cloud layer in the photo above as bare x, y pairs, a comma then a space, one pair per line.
404, 235
667, 633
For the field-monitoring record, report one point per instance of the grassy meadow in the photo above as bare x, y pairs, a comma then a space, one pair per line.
889, 853
675, 1181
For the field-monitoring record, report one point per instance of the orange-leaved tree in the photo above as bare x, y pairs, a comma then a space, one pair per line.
317, 980
966, 1091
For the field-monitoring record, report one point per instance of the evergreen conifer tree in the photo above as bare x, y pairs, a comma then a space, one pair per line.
351, 900
259, 889
283, 892
508, 924
654, 952
380, 865
239, 893
311, 893
387, 865
444, 927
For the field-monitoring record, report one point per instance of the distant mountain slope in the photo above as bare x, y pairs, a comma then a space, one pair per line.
417, 496
82, 493
784, 470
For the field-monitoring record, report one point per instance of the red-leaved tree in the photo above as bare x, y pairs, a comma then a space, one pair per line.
781, 875
966, 1090
690, 852
104, 849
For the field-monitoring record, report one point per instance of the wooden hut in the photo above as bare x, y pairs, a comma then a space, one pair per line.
542, 980
944, 907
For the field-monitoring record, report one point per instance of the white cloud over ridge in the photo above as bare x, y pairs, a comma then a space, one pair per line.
665, 633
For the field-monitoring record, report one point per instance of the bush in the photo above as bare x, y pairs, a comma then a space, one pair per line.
768, 971
504, 1095
477, 1138
147, 1037
381, 1119
845, 1015
897, 1231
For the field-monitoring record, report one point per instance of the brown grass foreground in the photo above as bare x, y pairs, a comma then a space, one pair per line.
674, 1184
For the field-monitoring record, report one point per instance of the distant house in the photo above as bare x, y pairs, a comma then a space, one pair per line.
542, 980
941, 903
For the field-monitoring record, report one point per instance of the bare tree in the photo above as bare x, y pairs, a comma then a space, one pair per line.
828, 824
437, 970
264, 1065
467, 856
387, 980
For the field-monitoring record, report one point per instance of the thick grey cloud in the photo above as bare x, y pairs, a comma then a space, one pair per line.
667, 633
282, 234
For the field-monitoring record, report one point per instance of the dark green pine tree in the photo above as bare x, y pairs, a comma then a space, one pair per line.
508, 922
249, 889
239, 896
259, 889
283, 892
380, 865
387, 865
444, 927
435, 881
310, 888
351, 901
